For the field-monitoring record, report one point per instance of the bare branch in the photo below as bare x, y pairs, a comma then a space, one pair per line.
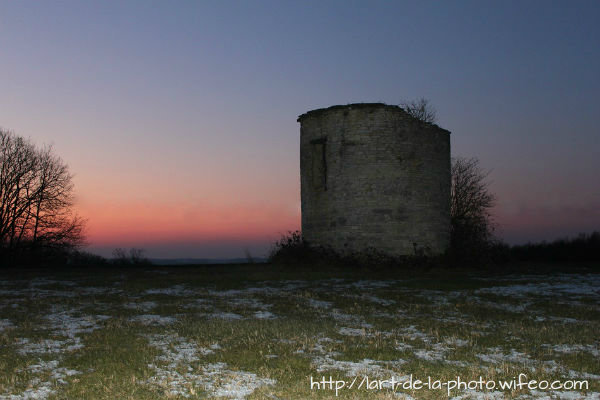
420, 109
470, 204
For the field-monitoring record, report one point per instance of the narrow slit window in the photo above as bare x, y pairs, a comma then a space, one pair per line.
319, 163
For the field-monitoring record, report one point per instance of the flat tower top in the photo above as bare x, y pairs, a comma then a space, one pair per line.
320, 111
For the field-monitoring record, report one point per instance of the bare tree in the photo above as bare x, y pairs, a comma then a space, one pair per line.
470, 208
54, 222
420, 109
36, 199
18, 165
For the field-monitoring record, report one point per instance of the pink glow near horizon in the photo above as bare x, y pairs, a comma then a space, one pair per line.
143, 222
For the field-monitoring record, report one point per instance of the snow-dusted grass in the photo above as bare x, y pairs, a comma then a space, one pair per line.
179, 333
5, 324
179, 371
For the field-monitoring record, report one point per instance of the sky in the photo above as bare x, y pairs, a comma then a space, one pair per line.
178, 119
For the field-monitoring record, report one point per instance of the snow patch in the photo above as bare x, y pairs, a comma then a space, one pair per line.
65, 323
231, 384
497, 356
177, 290
412, 333
437, 353
366, 367
319, 303
48, 346
227, 316
5, 324
153, 319
264, 315
38, 389
575, 348
340, 316
354, 332
249, 303
143, 306
587, 285
44, 282
475, 395
453, 341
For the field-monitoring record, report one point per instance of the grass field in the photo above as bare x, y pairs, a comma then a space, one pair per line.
263, 332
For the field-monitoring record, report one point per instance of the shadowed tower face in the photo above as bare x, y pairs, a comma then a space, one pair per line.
372, 176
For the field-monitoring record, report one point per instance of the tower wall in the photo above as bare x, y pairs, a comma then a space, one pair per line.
372, 176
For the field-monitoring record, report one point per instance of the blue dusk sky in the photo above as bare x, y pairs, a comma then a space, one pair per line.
178, 119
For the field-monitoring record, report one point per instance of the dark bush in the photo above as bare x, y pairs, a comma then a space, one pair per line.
133, 257
86, 259
292, 248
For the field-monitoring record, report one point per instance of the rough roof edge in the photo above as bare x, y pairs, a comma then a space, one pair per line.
321, 111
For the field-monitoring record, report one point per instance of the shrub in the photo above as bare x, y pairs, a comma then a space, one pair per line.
86, 259
132, 257
291, 247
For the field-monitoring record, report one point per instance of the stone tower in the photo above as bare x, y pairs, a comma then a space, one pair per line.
372, 176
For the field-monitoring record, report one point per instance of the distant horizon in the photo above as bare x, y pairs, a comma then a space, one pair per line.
178, 120
108, 253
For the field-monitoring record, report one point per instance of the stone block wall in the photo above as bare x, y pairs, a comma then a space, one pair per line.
372, 176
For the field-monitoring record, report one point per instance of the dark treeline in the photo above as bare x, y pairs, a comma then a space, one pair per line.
74, 257
583, 248
292, 249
